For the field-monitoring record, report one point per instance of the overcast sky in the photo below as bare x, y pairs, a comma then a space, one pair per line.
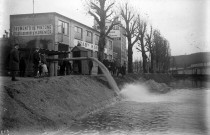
182, 22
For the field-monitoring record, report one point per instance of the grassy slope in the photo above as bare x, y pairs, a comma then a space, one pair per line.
51, 102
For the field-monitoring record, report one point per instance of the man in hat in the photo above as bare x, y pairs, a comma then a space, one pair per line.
36, 61
14, 61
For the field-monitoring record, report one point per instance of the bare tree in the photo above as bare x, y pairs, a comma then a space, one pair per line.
101, 11
130, 29
150, 48
142, 26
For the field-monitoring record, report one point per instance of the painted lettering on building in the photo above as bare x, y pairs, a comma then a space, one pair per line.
86, 45
32, 30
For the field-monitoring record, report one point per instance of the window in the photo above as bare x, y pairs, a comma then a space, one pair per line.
110, 44
105, 56
96, 54
89, 36
78, 32
110, 57
62, 27
96, 39
106, 44
78, 29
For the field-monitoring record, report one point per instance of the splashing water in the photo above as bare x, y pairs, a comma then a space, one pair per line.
141, 93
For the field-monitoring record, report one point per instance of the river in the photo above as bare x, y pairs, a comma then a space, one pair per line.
182, 111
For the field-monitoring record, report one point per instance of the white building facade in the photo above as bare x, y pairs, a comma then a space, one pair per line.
54, 31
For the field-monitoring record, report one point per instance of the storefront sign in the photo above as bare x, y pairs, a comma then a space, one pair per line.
117, 38
115, 31
86, 45
32, 30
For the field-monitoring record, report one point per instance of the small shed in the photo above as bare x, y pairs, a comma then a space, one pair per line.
80, 66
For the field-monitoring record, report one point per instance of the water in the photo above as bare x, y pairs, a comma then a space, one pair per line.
178, 112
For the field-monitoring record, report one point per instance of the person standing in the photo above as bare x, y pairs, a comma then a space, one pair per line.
14, 61
90, 65
22, 66
44, 70
124, 69
36, 62
68, 67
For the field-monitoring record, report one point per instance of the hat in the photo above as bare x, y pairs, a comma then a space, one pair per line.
16, 45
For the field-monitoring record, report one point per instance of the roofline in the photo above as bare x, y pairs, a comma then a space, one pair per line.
202, 52
55, 13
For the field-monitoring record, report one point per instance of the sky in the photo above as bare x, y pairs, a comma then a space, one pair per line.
182, 22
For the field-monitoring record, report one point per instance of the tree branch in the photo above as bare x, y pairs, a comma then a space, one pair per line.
109, 14
138, 49
94, 6
112, 25
95, 17
110, 6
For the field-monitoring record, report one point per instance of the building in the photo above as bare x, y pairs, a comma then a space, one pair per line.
193, 64
119, 43
56, 32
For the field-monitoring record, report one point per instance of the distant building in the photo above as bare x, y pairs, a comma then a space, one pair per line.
54, 31
193, 64
119, 43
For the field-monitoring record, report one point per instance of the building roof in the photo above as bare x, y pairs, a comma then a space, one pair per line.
55, 13
187, 60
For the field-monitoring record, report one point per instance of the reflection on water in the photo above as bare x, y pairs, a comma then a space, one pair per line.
190, 83
181, 111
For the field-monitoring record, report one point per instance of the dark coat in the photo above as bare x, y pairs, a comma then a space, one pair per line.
14, 60
22, 64
36, 57
90, 63
43, 59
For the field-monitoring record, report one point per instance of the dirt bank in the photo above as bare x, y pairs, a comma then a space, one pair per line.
37, 104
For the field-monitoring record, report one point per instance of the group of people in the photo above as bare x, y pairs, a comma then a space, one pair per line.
17, 63
65, 68
114, 67
40, 65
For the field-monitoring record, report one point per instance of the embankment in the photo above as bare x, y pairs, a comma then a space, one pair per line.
54, 103
51, 102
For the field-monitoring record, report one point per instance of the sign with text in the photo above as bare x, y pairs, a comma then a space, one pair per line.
32, 30
115, 31
86, 45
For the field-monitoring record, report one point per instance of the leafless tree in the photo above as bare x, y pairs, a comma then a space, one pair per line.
142, 27
101, 10
130, 28
150, 47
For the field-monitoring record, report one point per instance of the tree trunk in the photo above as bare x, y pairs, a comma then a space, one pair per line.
130, 56
144, 61
152, 62
101, 45
144, 56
